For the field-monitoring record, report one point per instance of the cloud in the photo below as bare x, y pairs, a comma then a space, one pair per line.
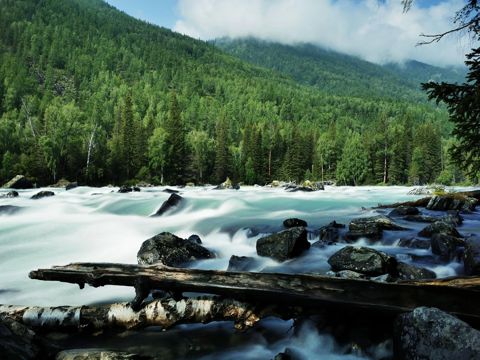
376, 31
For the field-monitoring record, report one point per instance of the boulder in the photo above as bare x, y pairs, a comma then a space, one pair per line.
349, 274
71, 186
9, 195
414, 243
472, 256
445, 246
195, 238
453, 217
170, 250
227, 184
429, 333
294, 222
173, 202
9, 209
363, 260
241, 263
329, 234
410, 272
17, 341
439, 227
370, 227
42, 194
452, 202
284, 245
421, 218
125, 189
403, 211
96, 354
170, 191
136, 189
19, 182
427, 190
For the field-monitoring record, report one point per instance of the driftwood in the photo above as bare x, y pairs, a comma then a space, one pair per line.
458, 296
164, 313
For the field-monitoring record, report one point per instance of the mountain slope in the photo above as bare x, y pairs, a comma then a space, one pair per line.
89, 93
339, 73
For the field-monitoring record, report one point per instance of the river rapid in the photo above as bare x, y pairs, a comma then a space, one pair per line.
100, 225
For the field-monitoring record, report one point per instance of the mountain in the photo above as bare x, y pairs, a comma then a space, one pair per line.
91, 94
338, 73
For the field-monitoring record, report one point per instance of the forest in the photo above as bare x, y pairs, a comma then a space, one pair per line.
92, 95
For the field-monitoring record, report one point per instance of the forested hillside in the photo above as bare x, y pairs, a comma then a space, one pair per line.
91, 94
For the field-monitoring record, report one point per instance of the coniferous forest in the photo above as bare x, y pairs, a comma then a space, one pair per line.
90, 94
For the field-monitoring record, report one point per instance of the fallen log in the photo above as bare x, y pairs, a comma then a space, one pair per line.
458, 296
164, 313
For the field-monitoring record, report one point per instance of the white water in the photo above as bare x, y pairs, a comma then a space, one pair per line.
101, 225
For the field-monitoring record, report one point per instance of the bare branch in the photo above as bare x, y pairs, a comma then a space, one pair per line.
438, 37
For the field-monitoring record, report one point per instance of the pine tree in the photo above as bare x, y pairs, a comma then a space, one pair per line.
221, 150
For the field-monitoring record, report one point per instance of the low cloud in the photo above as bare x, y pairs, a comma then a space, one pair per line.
376, 31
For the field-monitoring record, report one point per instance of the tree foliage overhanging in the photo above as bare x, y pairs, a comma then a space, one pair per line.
90, 94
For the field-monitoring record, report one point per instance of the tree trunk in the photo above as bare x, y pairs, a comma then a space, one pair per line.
90, 146
458, 296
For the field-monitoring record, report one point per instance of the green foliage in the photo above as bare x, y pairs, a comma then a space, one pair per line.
352, 168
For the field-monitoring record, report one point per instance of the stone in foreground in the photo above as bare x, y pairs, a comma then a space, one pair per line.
363, 260
170, 250
429, 333
411, 272
284, 245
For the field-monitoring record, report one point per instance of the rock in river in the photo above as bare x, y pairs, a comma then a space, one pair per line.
452, 202
445, 245
403, 211
370, 227
472, 256
363, 260
284, 245
9, 209
19, 182
414, 243
294, 222
429, 333
171, 203
410, 272
170, 250
9, 195
241, 263
439, 227
42, 194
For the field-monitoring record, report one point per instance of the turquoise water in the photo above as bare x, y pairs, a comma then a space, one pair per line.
101, 225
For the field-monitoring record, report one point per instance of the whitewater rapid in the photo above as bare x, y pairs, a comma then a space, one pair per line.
101, 225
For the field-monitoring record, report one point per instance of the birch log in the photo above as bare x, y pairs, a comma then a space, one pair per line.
164, 313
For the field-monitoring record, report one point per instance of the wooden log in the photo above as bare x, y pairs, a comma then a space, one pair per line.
164, 313
458, 296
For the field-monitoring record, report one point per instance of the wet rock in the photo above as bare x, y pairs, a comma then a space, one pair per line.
241, 263
363, 260
136, 189
19, 182
306, 186
410, 272
414, 243
170, 191
227, 184
349, 274
451, 202
453, 217
9, 195
420, 218
384, 278
329, 234
284, 245
17, 341
294, 222
445, 246
42, 194
427, 190
429, 333
170, 250
9, 209
125, 189
71, 186
370, 227
472, 256
173, 202
96, 354
403, 211
195, 238
439, 227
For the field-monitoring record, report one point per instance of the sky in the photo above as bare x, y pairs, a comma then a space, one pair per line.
375, 30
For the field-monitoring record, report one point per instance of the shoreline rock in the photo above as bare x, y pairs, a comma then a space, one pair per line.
284, 245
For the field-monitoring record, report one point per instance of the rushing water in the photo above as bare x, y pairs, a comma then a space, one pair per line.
101, 225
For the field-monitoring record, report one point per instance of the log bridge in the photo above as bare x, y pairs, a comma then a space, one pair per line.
255, 295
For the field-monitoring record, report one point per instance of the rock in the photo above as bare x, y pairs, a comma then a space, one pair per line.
9, 195
71, 186
18, 342
42, 194
445, 245
241, 263
421, 218
403, 211
452, 202
19, 182
429, 333
125, 189
171, 191
61, 183
9, 209
349, 274
414, 243
472, 256
306, 186
173, 202
227, 184
329, 234
439, 227
96, 354
411, 272
294, 222
136, 189
284, 245
453, 217
370, 227
171, 250
363, 260
427, 190
195, 238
